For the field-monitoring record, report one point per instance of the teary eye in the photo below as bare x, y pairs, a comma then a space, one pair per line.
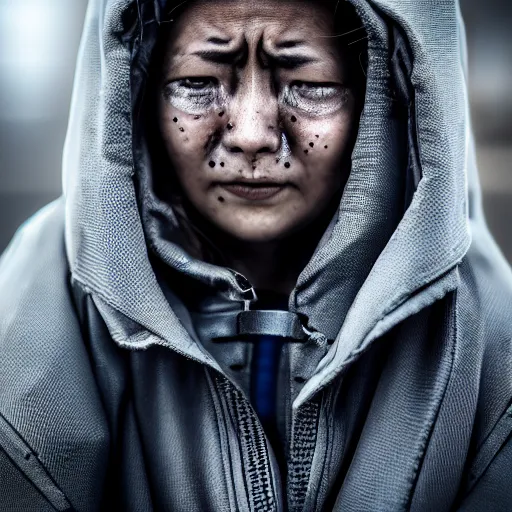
315, 97
192, 94
196, 83
315, 91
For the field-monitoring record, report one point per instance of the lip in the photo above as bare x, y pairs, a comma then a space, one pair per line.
256, 191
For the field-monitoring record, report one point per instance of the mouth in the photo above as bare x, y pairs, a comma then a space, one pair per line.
254, 190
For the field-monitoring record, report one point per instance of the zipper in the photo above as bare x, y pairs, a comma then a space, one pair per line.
256, 462
303, 434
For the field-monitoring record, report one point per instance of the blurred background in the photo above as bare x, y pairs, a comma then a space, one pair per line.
38, 46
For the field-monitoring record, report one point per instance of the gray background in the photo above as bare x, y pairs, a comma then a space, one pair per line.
38, 45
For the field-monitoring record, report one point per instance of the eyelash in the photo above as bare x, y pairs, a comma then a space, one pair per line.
188, 83
186, 96
311, 91
194, 93
185, 87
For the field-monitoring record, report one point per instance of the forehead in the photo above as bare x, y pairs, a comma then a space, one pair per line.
273, 21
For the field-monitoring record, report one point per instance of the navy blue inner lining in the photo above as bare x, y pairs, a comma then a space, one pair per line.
265, 370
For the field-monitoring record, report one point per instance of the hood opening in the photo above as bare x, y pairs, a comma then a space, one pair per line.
402, 221
171, 232
166, 212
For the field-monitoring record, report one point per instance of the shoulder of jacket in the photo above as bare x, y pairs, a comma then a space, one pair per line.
486, 291
52, 420
39, 241
485, 316
34, 258
484, 311
35, 301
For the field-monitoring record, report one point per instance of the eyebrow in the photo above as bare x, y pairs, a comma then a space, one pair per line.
220, 56
218, 40
234, 56
290, 43
290, 61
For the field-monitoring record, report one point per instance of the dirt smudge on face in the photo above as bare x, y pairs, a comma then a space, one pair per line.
212, 142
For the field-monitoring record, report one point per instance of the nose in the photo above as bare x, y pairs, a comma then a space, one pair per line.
253, 117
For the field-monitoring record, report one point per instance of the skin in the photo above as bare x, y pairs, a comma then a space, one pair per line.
258, 94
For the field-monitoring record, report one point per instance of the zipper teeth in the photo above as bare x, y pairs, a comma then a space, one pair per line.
255, 458
302, 450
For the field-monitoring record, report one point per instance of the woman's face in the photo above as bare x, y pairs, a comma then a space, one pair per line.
257, 114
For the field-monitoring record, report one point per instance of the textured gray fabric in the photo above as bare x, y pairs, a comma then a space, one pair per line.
109, 379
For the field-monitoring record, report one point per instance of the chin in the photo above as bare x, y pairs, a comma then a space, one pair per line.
255, 236
259, 234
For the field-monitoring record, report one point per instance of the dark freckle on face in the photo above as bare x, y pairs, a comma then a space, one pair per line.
277, 160
317, 136
311, 144
293, 119
182, 129
222, 164
175, 119
211, 163
240, 171
287, 164
326, 147
221, 113
221, 199
306, 151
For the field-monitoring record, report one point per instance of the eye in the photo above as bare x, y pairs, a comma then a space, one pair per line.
191, 86
194, 95
315, 90
315, 97
196, 83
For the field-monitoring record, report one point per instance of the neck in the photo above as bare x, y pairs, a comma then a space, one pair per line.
276, 265
272, 266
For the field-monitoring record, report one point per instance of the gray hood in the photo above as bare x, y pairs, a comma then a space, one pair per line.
403, 223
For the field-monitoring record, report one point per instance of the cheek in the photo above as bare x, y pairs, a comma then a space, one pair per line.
322, 145
322, 136
187, 138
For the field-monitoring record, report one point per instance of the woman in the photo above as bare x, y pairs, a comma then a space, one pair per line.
266, 287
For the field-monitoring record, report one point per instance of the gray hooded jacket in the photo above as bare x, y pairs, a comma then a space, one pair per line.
113, 395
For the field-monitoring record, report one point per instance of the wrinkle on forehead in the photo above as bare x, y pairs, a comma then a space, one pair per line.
229, 24
236, 20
